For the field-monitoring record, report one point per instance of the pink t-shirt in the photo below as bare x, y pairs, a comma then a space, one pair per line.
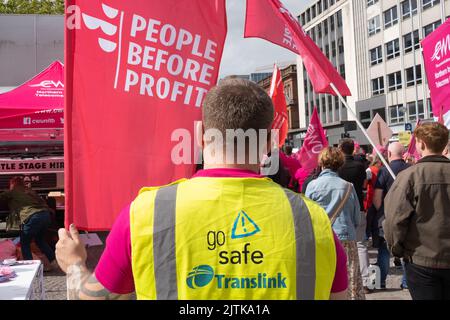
114, 268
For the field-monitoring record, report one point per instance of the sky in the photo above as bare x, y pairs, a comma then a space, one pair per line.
245, 56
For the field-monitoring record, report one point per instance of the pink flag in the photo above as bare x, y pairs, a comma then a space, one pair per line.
412, 151
436, 55
315, 142
280, 121
270, 20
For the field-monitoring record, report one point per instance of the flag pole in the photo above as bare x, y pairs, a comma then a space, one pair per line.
363, 130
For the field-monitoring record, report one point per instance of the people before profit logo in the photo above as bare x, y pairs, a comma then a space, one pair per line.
161, 60
48, 84
200, 276
441, 49
108, 28
27, 121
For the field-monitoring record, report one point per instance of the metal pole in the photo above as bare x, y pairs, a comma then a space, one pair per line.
363, 130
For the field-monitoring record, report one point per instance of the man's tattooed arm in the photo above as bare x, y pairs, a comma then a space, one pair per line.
83, 285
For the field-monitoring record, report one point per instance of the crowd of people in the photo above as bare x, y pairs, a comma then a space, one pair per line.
231, 233
365, 205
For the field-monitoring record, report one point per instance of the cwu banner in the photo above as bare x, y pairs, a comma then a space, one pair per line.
136, 73
436, 56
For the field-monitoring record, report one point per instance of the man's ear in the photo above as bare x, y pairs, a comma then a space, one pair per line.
421, 144
199, 134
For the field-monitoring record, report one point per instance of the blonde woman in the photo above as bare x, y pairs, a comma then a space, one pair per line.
338, 197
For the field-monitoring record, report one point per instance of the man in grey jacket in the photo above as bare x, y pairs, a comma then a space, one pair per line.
417, 225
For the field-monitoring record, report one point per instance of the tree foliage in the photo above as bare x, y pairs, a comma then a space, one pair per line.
32, 6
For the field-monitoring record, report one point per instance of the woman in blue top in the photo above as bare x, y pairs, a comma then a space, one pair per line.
339, 199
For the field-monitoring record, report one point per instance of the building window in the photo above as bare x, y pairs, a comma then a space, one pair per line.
394, 81
431, 27
342, 70
410, 40
381, 112
325, 5
429, 3
341, 45
319, 7
376, 56
325, 28
319, 30
397, 114
410, 78
409, 8
415, 111
332, 23
371, 2
365, 118
390, 17
327, 50
339, 19
430, 108
374, 26
333, 48
313, 12
378, 86
392, 49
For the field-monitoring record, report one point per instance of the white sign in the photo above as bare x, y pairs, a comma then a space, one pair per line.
52, 165
379, 131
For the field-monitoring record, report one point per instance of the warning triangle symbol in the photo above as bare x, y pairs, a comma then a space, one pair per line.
244, 226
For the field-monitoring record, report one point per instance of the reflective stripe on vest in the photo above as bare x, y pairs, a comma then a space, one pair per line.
164, 243
169, 228
305, 247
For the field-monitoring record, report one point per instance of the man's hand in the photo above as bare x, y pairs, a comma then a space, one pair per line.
70, 249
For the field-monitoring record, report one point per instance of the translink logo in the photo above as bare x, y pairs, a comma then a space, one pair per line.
203, 275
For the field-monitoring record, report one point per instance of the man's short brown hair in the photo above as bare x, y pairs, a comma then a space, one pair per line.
331, 158
237, 104
347, 146
434, 135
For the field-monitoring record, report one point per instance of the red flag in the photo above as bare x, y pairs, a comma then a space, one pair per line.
136, 75
315, 142
270, 20
441, 115
280, 121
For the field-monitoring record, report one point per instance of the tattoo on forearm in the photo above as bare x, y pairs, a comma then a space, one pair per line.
82, 285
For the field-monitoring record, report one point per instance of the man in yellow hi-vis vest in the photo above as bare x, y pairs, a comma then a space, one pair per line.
227, 233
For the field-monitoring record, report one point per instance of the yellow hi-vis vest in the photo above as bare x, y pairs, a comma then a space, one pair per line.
230, 239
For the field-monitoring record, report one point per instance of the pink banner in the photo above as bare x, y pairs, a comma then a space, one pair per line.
315, 142
436, 55
136, 76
